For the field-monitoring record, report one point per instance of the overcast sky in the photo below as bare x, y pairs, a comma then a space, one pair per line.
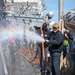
52, 5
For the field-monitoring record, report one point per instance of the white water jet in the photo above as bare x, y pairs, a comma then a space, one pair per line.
32, 36
11, 31
18, 31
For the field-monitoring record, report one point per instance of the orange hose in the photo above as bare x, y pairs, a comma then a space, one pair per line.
43, 52
29, 60
22, 45
26, 49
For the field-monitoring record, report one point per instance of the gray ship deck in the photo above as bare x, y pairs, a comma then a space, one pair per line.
16, 64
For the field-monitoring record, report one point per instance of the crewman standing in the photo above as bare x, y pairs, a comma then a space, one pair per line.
55, 49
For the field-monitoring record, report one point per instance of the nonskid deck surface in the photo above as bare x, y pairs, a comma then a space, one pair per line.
16, 64
1, 66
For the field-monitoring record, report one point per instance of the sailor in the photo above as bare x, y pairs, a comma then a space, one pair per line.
46, 35
55, 49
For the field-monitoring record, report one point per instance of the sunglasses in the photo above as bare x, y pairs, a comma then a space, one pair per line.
55, 28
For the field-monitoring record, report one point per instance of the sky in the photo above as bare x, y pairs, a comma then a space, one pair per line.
52, 5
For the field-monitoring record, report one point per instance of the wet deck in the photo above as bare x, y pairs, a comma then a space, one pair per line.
16, 64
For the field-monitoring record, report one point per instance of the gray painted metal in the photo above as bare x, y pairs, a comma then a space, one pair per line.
69, 20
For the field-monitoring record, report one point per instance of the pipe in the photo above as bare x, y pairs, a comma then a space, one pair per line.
43, 52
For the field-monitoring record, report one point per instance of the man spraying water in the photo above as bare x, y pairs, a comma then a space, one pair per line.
43, 47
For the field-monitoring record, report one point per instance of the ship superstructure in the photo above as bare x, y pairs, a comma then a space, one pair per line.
27, 7
26, 10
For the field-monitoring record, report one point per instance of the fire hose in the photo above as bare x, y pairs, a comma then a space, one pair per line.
28, 51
